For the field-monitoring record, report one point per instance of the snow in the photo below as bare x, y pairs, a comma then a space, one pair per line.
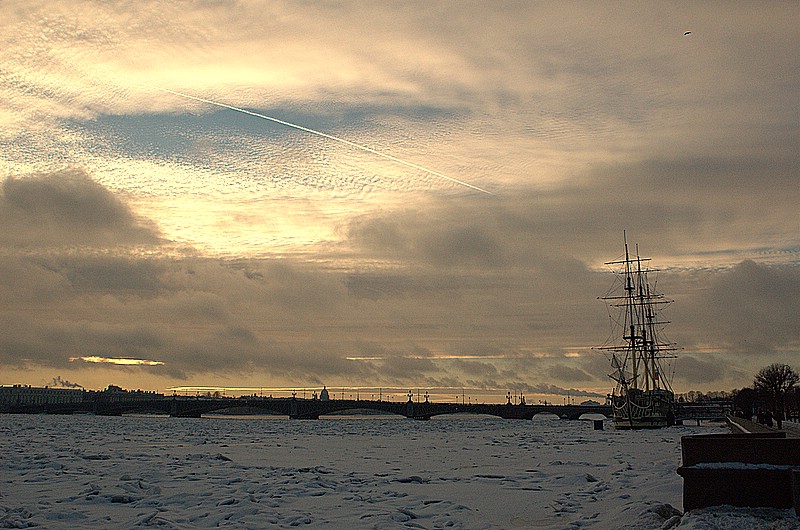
724, 517
88, 471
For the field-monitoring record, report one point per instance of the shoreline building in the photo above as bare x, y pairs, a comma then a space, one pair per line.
22, 395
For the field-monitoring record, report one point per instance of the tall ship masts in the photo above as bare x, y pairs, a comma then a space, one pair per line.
642, 396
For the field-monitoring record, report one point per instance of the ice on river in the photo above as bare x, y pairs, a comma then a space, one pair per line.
253, 472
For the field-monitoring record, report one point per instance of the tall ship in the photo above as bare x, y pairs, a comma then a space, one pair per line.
639, 354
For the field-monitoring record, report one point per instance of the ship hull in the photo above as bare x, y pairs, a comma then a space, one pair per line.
644, 410
624, 424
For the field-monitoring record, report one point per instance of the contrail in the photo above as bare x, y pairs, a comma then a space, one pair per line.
324, 135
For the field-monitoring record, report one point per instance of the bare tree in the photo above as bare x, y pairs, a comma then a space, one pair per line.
745, 400
775, 382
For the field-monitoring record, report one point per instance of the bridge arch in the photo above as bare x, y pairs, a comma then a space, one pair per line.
364, 411
544, 415
598, 415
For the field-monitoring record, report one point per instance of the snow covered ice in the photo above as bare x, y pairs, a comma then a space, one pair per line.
87, 471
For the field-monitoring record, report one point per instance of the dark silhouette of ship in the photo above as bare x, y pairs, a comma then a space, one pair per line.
642, 397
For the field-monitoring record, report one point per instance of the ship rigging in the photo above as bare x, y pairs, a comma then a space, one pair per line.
637, 350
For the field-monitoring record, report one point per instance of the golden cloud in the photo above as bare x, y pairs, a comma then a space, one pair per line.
115, 360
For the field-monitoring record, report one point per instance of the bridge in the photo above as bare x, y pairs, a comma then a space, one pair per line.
297, 408
712, 411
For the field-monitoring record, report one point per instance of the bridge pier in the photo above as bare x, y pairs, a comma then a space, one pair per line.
185, 411
186, 414
305, 410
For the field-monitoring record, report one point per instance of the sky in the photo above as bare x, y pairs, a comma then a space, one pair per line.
399, 195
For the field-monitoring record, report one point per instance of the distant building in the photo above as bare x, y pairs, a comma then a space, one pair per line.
116, 393
28, 395
324, 394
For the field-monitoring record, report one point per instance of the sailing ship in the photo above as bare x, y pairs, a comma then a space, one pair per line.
642, 397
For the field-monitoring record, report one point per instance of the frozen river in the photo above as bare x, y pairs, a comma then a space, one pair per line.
254, 472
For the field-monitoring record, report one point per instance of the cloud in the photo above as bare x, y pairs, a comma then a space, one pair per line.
477, 369
545, 388
111, 274
67, 209
407, 368
231, 248
425, 316
27, 281
699, 371
569, 373
755, 309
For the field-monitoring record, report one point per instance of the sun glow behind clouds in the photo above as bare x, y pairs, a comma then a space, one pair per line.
262, 242
115, 360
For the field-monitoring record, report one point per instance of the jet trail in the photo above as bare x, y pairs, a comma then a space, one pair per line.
324, 135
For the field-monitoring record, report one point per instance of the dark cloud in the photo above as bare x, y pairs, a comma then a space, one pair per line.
27, 281
476, 368
755, 309
39, 339
407, 369
67, 209
458, 246
563, 372
545, 388
699, 371
377, 234
111, 274
198, 307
